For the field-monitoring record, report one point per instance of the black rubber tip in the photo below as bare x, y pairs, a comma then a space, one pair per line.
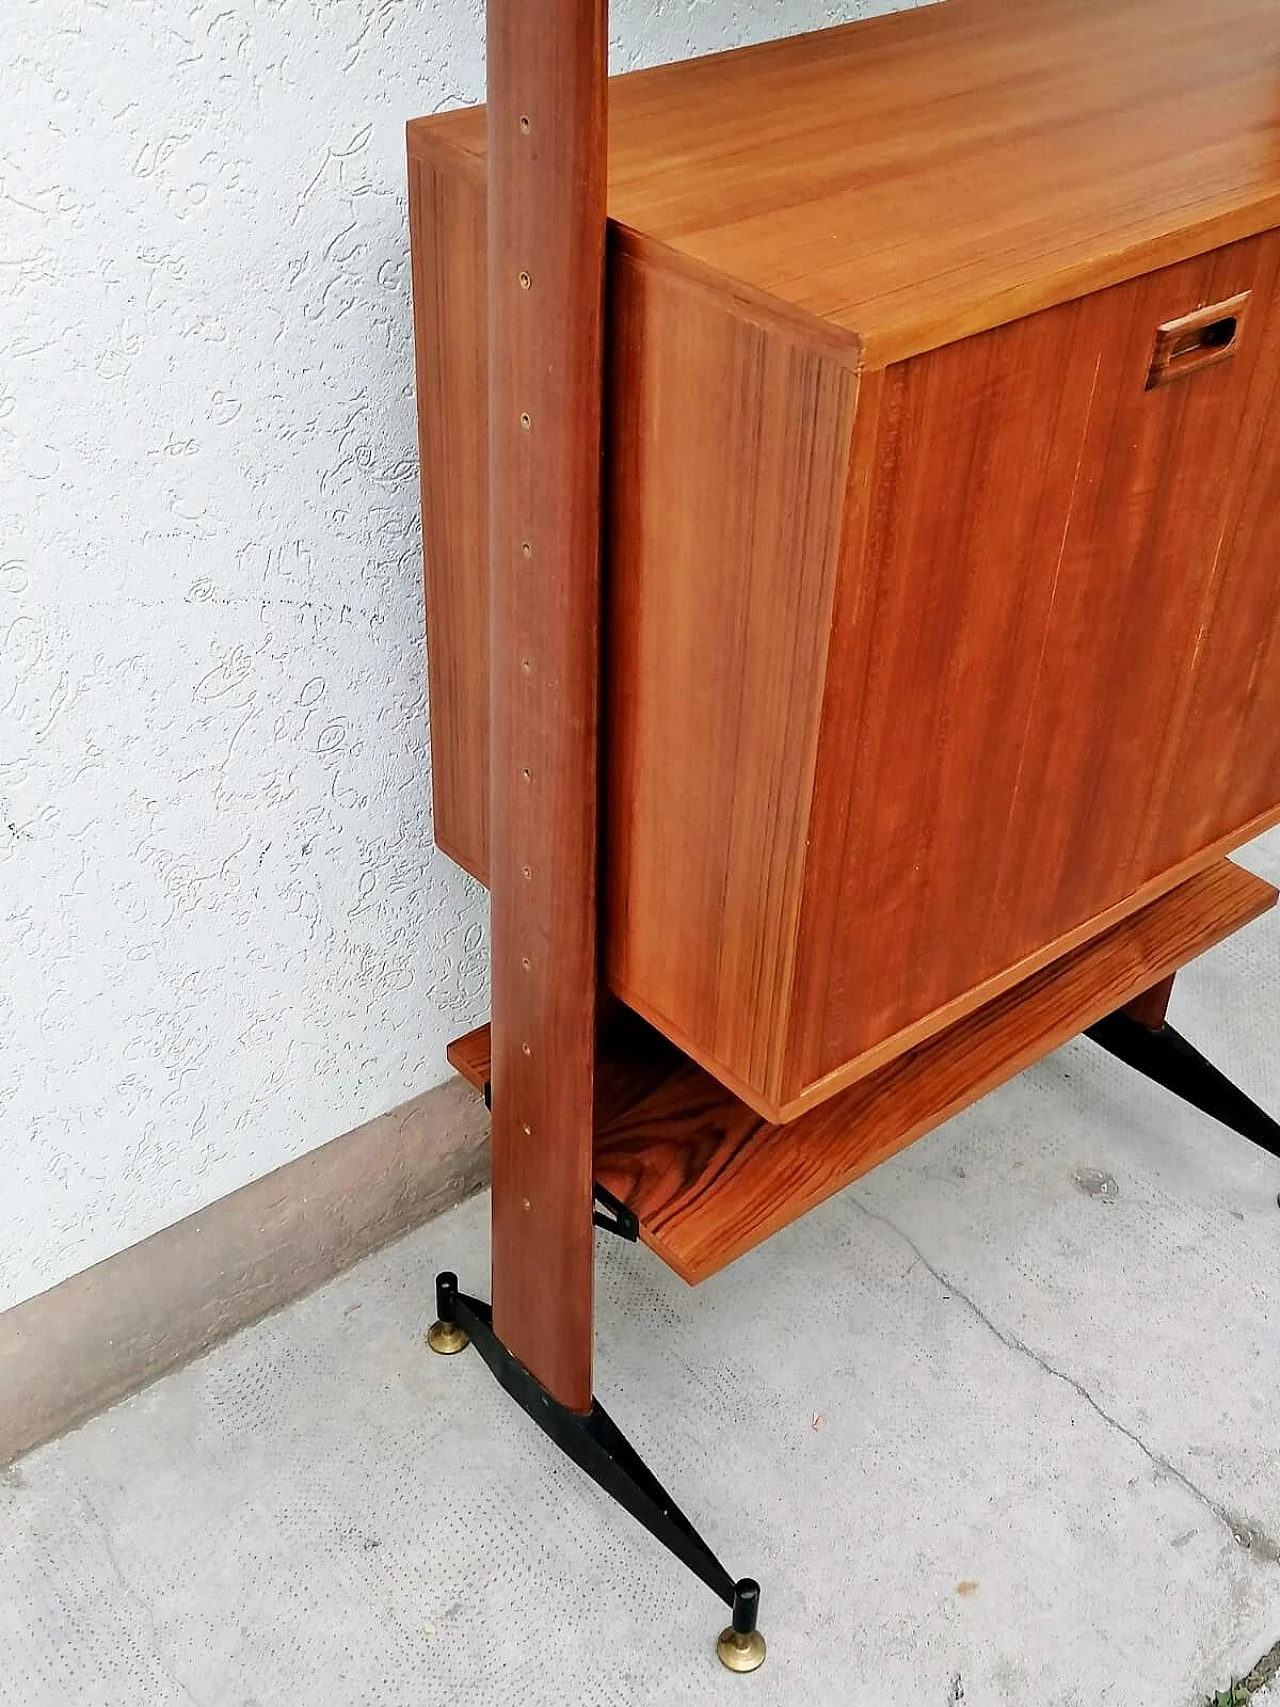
446, 1293
746, 1605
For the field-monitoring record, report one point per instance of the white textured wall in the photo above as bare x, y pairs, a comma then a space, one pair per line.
225, 936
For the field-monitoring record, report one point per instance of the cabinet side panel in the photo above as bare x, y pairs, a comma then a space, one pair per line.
1014, 655
448, 243
729, 463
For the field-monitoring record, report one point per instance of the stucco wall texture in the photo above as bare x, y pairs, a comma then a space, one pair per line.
225, 936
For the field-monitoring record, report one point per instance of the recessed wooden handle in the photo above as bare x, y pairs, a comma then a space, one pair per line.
1203, 339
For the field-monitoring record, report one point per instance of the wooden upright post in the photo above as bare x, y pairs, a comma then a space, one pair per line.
547, 70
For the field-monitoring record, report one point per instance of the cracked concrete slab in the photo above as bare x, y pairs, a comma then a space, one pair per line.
1244, 1531
987, 1437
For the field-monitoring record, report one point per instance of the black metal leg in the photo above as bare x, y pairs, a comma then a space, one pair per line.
597, 1446
1166, 1056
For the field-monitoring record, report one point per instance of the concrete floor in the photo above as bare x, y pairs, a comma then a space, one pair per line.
997, 1425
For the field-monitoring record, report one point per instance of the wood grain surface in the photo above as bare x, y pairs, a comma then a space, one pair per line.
709, 1179
1151, 1008
726, 522
471, 1055
1025, 685
448, 224
546, 203
930, 174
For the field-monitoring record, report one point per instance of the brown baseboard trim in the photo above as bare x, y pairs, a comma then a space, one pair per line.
75, 1349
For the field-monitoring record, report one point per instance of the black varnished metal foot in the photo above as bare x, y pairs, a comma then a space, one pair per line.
1164, 1055
597, 1446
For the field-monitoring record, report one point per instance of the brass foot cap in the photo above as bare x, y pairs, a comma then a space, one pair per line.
740, 1653
446, 1338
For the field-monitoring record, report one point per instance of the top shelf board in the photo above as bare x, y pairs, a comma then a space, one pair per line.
919, 177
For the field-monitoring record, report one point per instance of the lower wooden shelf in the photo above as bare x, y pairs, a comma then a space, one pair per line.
707, 1178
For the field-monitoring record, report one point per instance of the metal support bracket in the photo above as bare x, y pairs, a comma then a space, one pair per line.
614, 1217
596, 1445
1164, 1055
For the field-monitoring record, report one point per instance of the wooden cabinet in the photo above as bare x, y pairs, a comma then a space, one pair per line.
943, 490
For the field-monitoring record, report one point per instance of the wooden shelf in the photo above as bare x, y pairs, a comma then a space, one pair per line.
708, 1178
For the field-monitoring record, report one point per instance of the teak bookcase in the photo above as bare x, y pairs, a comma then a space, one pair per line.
851, 500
